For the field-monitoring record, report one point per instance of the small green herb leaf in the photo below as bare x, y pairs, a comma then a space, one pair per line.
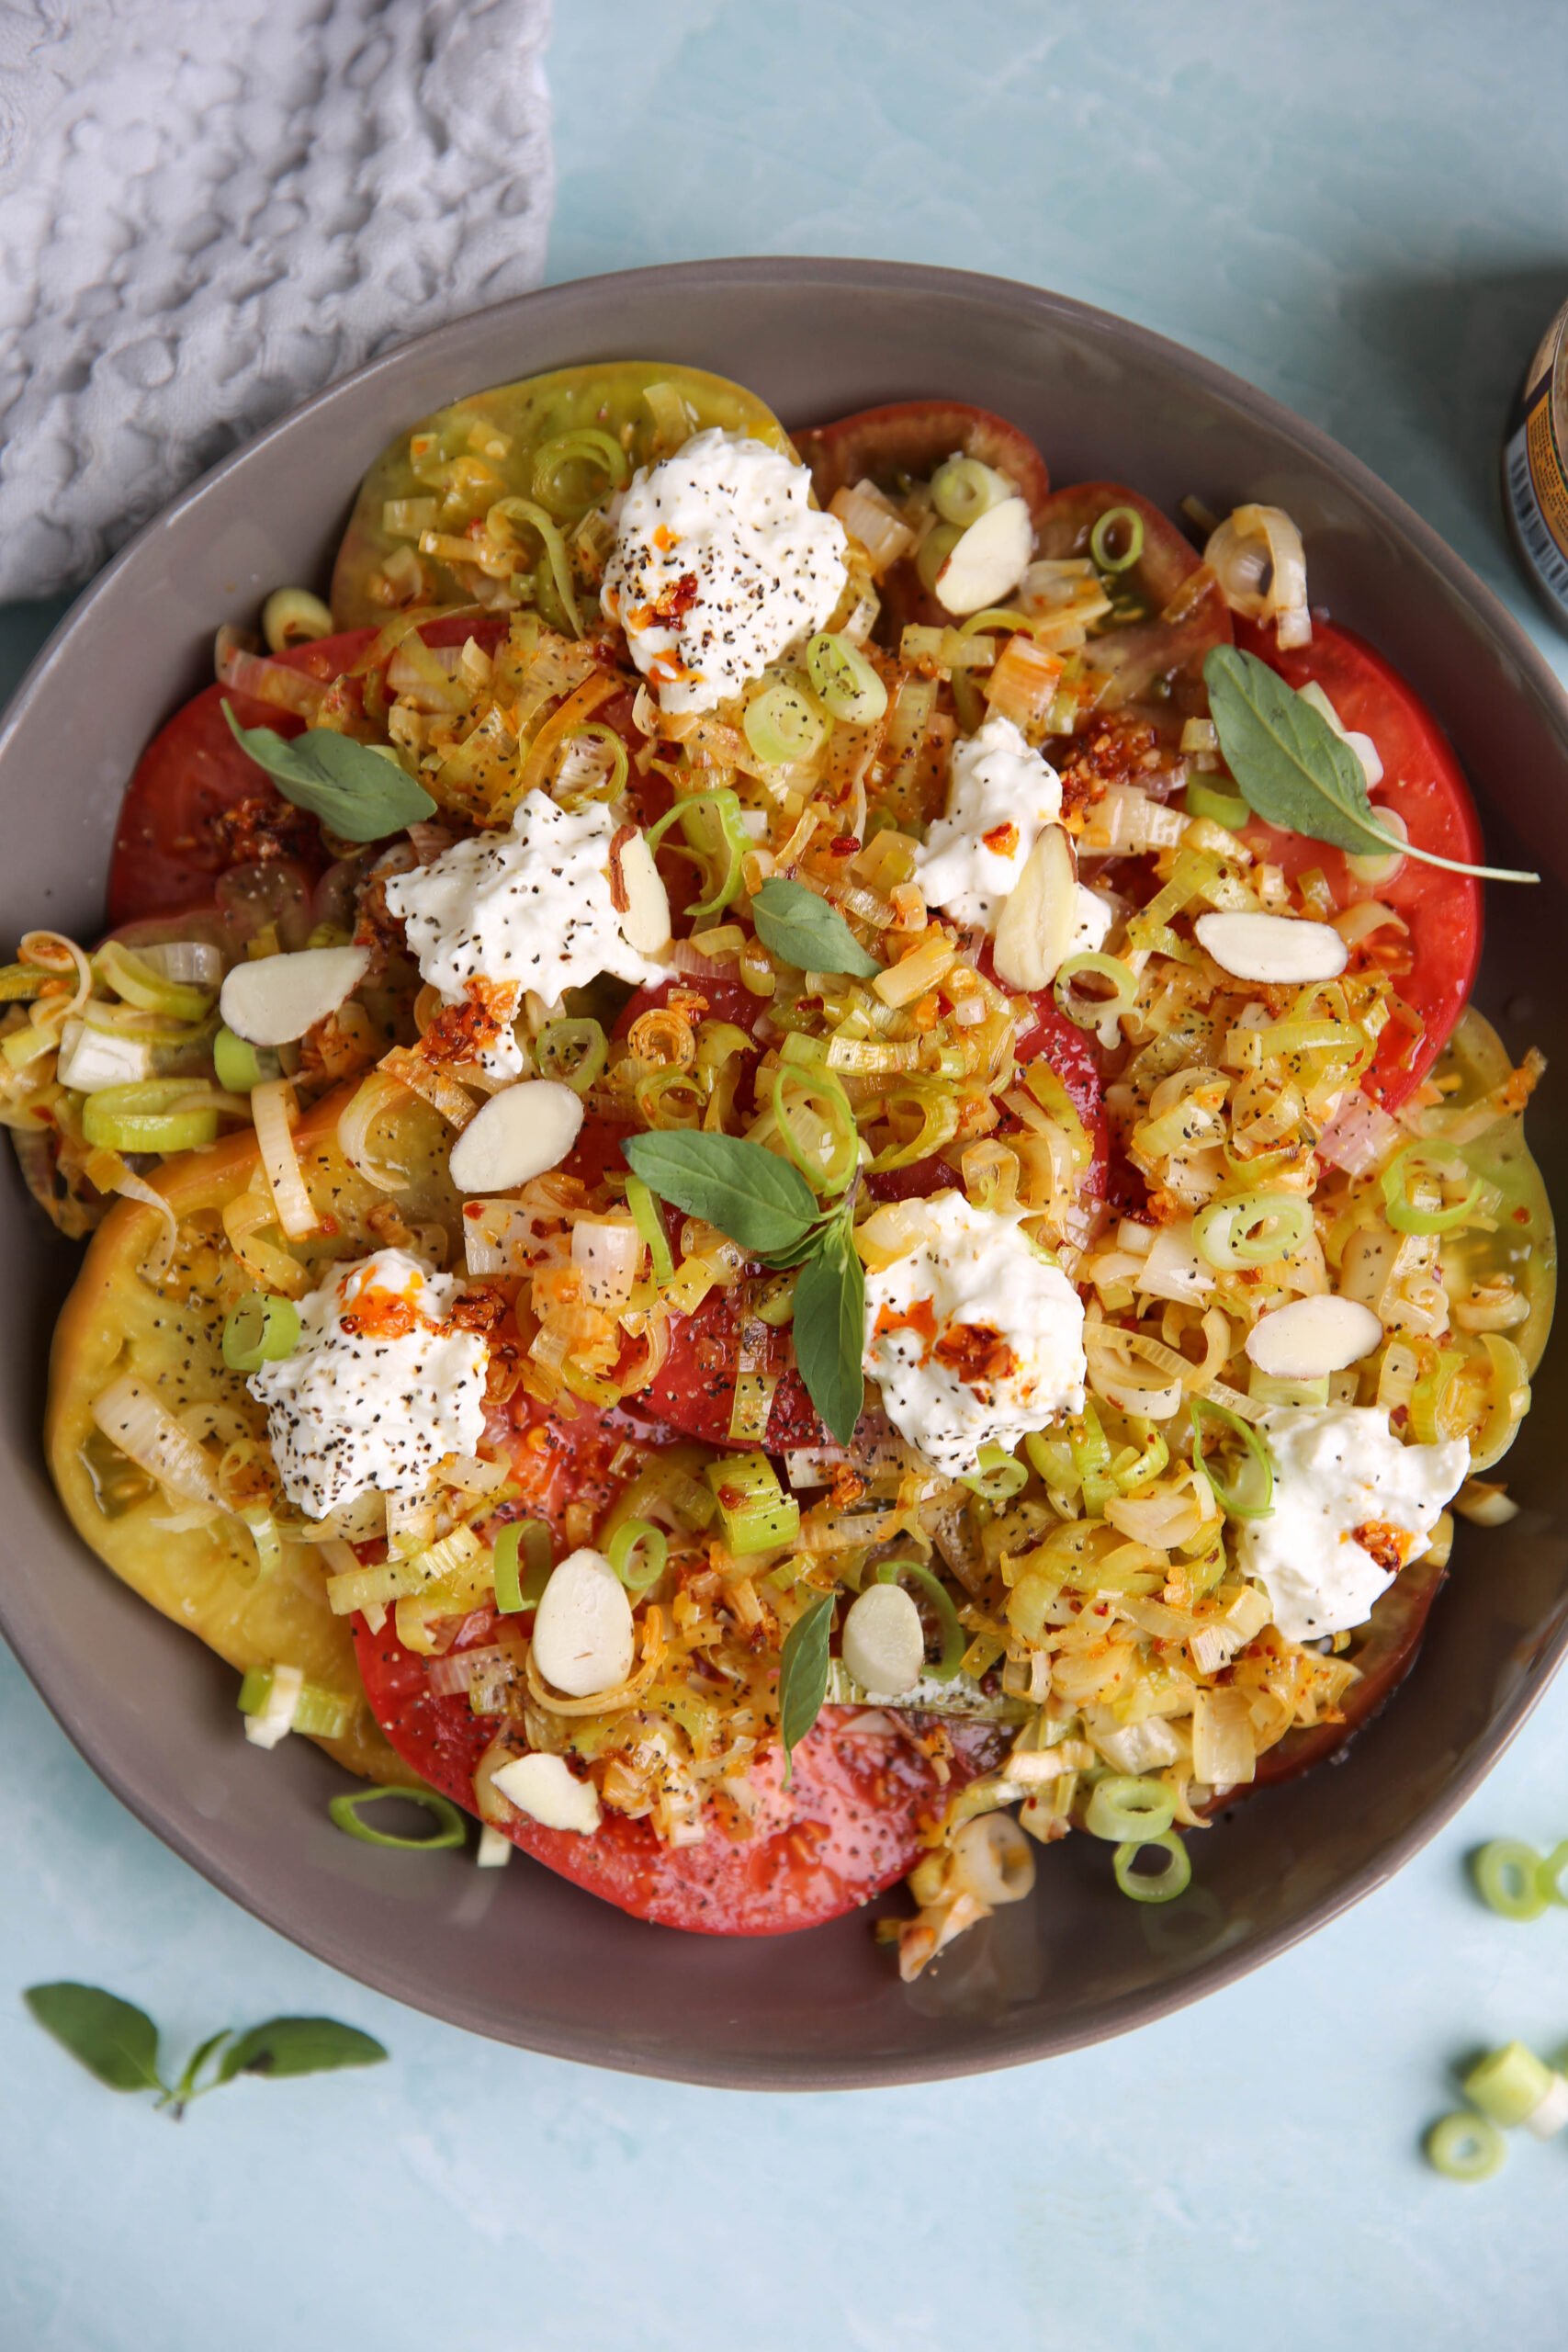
830, 1330
803, 1676
114, 2041
354, 790
758, 1200
1293, 771
299, 2046
799, 928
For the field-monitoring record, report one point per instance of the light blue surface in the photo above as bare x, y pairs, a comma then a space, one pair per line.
1363, 209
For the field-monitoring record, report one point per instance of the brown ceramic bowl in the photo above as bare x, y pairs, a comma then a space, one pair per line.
519, 1954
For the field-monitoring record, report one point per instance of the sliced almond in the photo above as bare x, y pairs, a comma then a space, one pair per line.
1281, 950
1312, 1336
1034, 937
583, 1632
548, 1790
518, 1134
645, 914
278, 997
989, 559
885, 1643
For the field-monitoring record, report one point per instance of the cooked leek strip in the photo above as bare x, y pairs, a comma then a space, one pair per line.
638, 1552
754, 1511
1420, 1164
816, 1123
500, 530
999, 1478
1252, 1230
784, 724
1087, 1011
592, 766
239, 1065
140, 984
587, 451
1226, 809
1251, 1495
318, 1713
450, 1831
262, 1330
964, 489
844, 681
575, 1052
523, 1558
701, 815
163, 1114
274, 1111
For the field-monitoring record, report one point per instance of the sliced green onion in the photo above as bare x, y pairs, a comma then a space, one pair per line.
1226, 809
293, 616
1252, 1230
1508, 1879
345, 1810
701, 816
827, 1157
1153, 1886
607, 785
1130, 1475
964, 489
783, 724
1465, 2146
999, 1477
1127, 524
239, 1064
638, 1552
1258, 1500
651, 1225
954, 1640
754, 1511
845, 683
262, 1328
587, 449
1125, 1809
1416, 1162
1549, 1877
142, 985
318, 1713
1509, 2084
1093, 1012
166, 1114
521, 1560
574, 1052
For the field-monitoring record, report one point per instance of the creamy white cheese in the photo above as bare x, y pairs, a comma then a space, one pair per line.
720, 565
349, 1412
974, 1337
1002, 796
1342, 1482
529, 908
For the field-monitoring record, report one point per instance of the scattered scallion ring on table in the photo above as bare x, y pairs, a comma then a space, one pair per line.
1257, 1500
1509, 2085
262, 1328
1126, 525
638, 1552
1153, 1886
1465, 2146
345, 1810
1508, 1878
844, 681
954, 1640
1125, 1809
1549, 1875
522, 1559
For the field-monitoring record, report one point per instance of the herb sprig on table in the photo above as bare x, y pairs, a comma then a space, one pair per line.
119, 2045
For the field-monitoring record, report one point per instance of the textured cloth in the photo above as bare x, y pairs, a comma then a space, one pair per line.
210, 207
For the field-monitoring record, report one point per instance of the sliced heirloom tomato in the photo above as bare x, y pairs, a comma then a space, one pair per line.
1422, 783
197, 805
694, 1389
849, 1827
1153, 661
532, 441
1383, 1652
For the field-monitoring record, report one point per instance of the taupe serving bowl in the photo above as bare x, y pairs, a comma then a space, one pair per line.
518, 1954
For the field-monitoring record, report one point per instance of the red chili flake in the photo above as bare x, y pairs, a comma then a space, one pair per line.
975, 1351
676, 600
1003, 838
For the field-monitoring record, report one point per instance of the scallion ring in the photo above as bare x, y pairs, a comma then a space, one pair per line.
1256, 1499
1252, 1230
521, 1560
164, 1114
783, 724
1153, 1886
1124, 1809
638, 1552
1088, 1011
1415, 1161
262, 1328
999, 1477
954, 1640
239, 1064
589, 451
1126, 525
845, 683
345, 1810
964, 489
1548, 1876
651, 1225
702, 816
1465, 2146
1508, 1876
572, 1051
817, 1125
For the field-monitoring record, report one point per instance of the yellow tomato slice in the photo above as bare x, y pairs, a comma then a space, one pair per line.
168, 1333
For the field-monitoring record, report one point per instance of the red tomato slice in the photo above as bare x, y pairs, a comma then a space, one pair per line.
848, 1827
1422, 781
694, 1389
910, 439
1180, 629
1387, 1653
171, 842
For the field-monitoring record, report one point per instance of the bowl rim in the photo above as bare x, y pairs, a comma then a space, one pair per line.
28, 1634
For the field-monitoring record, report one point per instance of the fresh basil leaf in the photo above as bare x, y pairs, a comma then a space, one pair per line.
802, 1675
830, 1330
355, 791
114, 2041
799, 928
299, 2046
758, 1200
1293, 771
